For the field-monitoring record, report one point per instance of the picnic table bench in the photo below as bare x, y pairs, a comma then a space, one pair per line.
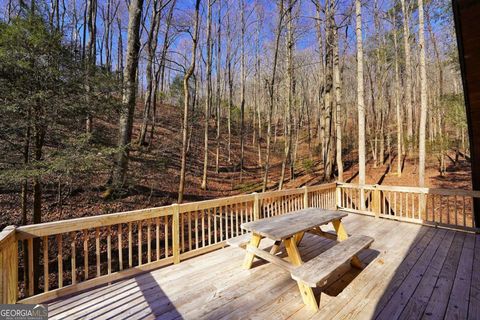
289, 230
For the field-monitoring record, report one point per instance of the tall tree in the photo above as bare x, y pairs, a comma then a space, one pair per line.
208, 101
152, 41
408, 76
219, 71
338, 100
360, 98
186, 94
423, 97
271, 92
91, 50
129, 93
242, 89
397, 99
288, 115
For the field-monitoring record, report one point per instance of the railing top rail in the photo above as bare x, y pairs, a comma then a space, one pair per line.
437, 191
64, 226
212, 203
288, 192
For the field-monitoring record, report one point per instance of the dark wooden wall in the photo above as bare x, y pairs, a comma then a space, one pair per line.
467, 24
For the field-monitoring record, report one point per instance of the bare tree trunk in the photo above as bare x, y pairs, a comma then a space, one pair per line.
328, 97
129, 93
288, 115
257, 83
397, 101
408, 78
360, 101
230, 85
120, 50
218, 100
242, 93
271, 88
208, 101
149, 74
338, 103
91, 51
186, 79
423, 97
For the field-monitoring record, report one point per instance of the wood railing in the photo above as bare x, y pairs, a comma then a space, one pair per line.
48, 260
439, 207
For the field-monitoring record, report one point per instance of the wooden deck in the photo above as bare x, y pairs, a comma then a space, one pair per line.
414, 272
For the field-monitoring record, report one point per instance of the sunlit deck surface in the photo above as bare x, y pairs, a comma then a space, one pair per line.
413, 272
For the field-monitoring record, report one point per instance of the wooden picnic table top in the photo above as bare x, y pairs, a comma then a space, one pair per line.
285, 226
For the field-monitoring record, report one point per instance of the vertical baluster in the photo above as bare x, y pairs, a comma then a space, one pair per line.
139, 227
221, 223
440, 198
120, 247
401, 195
456, 210
232, 227
45, 263
157, 238
209, 223
109, 250
242, 206
30, 267
215, 210
413, 204
448, 209
189, 215
60, 260
130, 245
182, 231
85, 253
196, 229
203, 227
149, 241
97, 250
166, 227
464, 212
237, 225
74, 258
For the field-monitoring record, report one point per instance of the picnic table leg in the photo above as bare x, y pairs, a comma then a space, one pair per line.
275, 247
305, 290
299, 237
254, 242
343, 235
340, 229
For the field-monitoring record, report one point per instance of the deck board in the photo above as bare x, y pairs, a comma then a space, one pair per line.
412, 271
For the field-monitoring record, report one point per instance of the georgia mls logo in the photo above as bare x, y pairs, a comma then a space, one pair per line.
23, 312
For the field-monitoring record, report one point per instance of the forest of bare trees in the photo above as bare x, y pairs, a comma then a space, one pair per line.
329, 84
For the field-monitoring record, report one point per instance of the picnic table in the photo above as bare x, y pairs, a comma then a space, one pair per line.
289, 230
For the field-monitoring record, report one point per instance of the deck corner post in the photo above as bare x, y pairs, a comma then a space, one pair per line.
176, 233
8, 266
256, 206
305, 197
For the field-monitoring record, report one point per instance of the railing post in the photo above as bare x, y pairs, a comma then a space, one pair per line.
8, 266
376, 205
176, 233
338, 192
305, 197
256, 206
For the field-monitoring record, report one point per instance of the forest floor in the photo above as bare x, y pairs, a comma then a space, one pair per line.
154, 172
